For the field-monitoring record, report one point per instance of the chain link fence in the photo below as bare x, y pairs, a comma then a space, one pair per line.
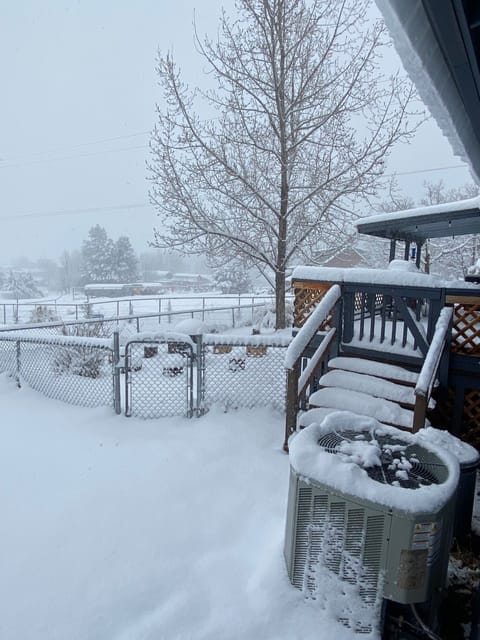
76, 370
165, 374
243, 372
159, 377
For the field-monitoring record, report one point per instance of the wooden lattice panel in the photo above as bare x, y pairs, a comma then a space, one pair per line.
471, 417
466, 329
471, 406
307, 297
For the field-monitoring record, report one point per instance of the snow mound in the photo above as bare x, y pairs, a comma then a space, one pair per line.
347, 470
403, 265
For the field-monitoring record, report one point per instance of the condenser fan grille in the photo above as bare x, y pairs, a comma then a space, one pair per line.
403, 464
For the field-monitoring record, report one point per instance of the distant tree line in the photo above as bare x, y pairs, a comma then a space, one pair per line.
99, 259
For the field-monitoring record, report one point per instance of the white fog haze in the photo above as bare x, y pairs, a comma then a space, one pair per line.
79, 91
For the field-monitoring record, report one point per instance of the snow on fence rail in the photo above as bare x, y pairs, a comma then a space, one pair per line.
224, 315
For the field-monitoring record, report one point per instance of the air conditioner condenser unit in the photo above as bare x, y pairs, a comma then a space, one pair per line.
372, 504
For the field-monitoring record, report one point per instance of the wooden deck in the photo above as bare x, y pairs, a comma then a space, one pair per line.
395, 325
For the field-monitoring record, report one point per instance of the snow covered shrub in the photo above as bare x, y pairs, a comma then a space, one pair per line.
264, 317
42, 313
83, 360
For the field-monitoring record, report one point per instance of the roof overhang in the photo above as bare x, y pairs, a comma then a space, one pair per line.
417, 225
439, 44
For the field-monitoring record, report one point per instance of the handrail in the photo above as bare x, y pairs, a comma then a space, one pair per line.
310, 370
297, 383
311, 326
428, 372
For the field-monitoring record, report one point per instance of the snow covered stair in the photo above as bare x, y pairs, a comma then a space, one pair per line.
378, 387
390, 372
365, 387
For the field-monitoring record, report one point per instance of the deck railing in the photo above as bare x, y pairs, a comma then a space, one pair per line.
397, 321
301, 373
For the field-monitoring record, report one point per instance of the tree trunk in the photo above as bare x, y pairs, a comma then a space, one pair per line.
280, 320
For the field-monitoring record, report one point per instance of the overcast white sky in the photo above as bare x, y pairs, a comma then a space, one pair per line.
78, 100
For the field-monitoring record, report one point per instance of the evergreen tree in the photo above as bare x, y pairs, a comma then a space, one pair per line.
22, 285
98, 256
125, 261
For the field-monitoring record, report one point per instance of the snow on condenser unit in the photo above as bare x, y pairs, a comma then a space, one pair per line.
372, 504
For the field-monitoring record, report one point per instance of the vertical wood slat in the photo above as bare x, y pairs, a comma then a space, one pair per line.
373, 300
383, 315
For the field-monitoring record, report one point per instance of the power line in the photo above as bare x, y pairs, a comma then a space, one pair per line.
75, 146
78, 155
411, 173
71, 212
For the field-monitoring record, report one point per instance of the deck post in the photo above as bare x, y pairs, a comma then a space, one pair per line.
420, 413
393, 248
293, 376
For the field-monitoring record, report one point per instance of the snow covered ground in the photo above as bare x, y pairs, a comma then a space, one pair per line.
116, 528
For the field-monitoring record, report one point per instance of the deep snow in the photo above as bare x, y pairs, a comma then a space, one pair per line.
116, 528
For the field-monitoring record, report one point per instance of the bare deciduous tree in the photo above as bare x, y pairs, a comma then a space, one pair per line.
450, 256
444, 256
301, 122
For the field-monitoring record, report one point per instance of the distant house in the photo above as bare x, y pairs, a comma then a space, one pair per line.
166, 282
348, 257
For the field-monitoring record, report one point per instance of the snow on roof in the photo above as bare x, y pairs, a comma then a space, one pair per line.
346, 472
425, 63
431, 210
369, 276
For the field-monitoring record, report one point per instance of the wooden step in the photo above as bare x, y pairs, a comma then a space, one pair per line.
364, 404
378, 387
374, 368
316, 415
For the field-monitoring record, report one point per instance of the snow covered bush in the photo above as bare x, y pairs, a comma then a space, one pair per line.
42, 313
264, 317
85, 361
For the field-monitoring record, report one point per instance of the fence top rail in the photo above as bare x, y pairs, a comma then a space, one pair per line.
59, 340
179, 312
376, 277
161, 336
312, 325
106, 300
253, 341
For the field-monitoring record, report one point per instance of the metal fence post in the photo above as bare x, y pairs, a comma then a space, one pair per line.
117, 401
200, 391
18, 363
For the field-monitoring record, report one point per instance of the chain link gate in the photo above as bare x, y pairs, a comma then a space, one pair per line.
243, 372
159, 378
